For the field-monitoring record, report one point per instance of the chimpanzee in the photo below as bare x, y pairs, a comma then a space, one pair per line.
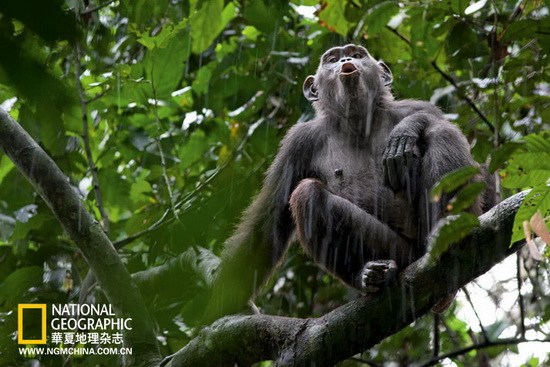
353, 184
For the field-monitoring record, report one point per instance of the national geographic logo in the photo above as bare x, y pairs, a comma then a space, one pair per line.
31, 323
70, 324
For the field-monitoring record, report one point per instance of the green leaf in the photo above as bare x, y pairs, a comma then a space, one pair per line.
537, 199
466, 197
526, 28
23, 67
453, 180
139, 190
193, 148
165, 66
530, 165
6, 165
202, 81
13, 288
251, 32
333, 16
265, 16
208, 21
501, 155
144, 13
380, 15
115, 191
22, 228
455, 228
161, 39
463, 43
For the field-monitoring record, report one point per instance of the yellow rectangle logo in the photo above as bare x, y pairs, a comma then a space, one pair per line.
20, 311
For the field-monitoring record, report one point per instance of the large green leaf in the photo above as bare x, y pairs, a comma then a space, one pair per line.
208, 21
530, 164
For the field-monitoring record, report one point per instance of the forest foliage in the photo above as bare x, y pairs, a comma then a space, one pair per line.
165, 115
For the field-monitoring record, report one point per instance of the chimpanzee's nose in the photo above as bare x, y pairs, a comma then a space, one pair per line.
345, 59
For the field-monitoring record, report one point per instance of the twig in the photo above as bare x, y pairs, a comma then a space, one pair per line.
98, 96
396, 32
450, 80
465, 98
485, 344
162, 221
159, 144
483, 331
86, 141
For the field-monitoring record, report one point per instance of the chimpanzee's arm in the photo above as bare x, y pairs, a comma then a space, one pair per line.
412, 137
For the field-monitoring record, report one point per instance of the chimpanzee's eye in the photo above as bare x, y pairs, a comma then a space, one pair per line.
332, 59
357, 55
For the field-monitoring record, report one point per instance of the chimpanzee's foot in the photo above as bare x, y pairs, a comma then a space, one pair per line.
376, 274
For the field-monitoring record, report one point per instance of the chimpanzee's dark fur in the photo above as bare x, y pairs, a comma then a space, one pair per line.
353, 183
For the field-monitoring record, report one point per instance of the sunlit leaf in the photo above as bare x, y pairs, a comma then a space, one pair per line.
538, 199
530, 164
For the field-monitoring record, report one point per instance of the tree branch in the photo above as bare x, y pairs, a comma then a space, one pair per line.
53, 186
483, 345
361, 323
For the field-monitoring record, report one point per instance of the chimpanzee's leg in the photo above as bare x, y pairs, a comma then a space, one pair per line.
344, 239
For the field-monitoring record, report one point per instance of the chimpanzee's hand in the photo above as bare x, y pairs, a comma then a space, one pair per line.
400, 161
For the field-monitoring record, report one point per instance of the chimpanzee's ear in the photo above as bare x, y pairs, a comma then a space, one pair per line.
387, 76
310, 92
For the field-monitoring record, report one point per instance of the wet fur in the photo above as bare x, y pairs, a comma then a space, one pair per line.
326, 183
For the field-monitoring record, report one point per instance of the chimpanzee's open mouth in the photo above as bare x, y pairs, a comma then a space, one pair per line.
348, 68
